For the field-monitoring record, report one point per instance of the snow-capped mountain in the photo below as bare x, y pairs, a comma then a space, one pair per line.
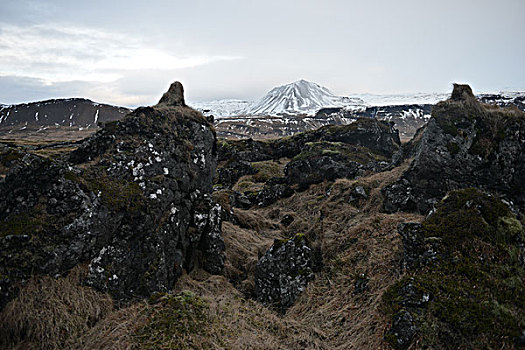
300, 97
221, 108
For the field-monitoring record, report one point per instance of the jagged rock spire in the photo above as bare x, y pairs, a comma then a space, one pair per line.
174, 96
462, 92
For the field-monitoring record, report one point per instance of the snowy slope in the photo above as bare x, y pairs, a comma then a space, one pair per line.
300, 97
502, 98
402, 99
221, 108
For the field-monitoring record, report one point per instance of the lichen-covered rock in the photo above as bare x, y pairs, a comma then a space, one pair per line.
465, 144
174, 96
283, 272
132, 201
378, 136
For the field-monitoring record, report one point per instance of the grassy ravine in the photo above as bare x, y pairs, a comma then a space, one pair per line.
476, 285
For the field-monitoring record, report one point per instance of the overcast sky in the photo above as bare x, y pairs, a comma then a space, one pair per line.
128, 52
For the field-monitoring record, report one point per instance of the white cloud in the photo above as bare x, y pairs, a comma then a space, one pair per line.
57, 54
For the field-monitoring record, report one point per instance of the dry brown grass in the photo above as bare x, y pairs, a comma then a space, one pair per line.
244, 247
35, 136
239, 323
49, 312
116, 331
370, 246
356, 240
232, 322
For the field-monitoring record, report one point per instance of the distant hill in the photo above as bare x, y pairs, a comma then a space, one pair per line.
73, 112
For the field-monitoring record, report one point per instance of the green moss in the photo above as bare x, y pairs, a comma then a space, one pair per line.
453, 148
176, 322
266, 170
10, 155
117, 194
391, 339
298, 237
327, 152
449, 127
476, 282
354, 153
111, 126
22, 224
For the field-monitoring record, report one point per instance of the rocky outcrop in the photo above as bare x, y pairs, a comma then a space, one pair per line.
174, 96
132, 201
283, 272
465, 144
326, 154
375, 135
307, 171
418, 249
231, 171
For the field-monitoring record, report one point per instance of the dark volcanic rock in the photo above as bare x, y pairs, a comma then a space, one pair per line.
462, 92
328, 153
375, 135
174, 96
287, 220
305, 172
465, 144
136, 208
418, 250
378, 136
402, 331
283, 272
271, 193
406, 118
232, 171
511, 100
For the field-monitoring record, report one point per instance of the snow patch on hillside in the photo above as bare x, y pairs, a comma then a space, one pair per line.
221, 108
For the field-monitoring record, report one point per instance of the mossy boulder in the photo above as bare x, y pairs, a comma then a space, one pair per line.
470, 292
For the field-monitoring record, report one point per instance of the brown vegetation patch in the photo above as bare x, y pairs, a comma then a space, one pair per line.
50, 313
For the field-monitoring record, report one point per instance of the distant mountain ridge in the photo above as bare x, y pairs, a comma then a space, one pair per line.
72, 112
284, 111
